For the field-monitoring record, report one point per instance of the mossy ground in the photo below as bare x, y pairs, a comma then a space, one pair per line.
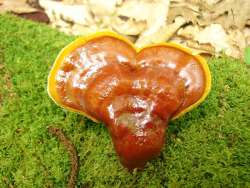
208, 147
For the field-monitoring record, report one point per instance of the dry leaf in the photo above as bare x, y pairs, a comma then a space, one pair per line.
185, 9
153, 13
151, 21
194, 46
237, 38
128, 27
74, 1
79, 14
161, 35
215, 35
61, 23
237, 42
102, 8
78, 29
201, 48
211, 2
38, 16
188, 32
248, 22
66, 30
246, 32
16, 6
138, 10
225, 12
230, 13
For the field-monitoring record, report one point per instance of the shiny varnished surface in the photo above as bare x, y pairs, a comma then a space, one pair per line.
134, 94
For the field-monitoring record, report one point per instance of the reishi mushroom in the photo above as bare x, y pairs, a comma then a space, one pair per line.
135, 92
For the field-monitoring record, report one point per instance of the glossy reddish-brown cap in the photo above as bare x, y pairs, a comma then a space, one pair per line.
135, 92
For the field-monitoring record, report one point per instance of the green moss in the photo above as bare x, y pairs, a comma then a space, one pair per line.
208, 147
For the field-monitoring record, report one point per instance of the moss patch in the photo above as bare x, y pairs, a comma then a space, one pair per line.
208, 147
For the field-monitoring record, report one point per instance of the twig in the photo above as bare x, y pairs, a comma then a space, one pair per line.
71, 151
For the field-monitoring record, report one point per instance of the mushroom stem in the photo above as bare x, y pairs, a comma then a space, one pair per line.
137, 137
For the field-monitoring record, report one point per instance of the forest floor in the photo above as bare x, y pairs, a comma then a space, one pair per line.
208, 147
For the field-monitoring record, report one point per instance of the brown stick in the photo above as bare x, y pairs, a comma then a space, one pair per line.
72, 154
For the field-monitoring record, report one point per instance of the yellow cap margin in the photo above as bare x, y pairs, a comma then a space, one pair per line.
51, 87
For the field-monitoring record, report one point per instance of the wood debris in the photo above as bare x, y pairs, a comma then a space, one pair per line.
57, 132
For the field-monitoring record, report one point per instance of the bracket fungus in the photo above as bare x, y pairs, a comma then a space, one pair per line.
134, 92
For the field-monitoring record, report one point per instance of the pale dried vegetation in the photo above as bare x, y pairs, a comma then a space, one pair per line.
211, 27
